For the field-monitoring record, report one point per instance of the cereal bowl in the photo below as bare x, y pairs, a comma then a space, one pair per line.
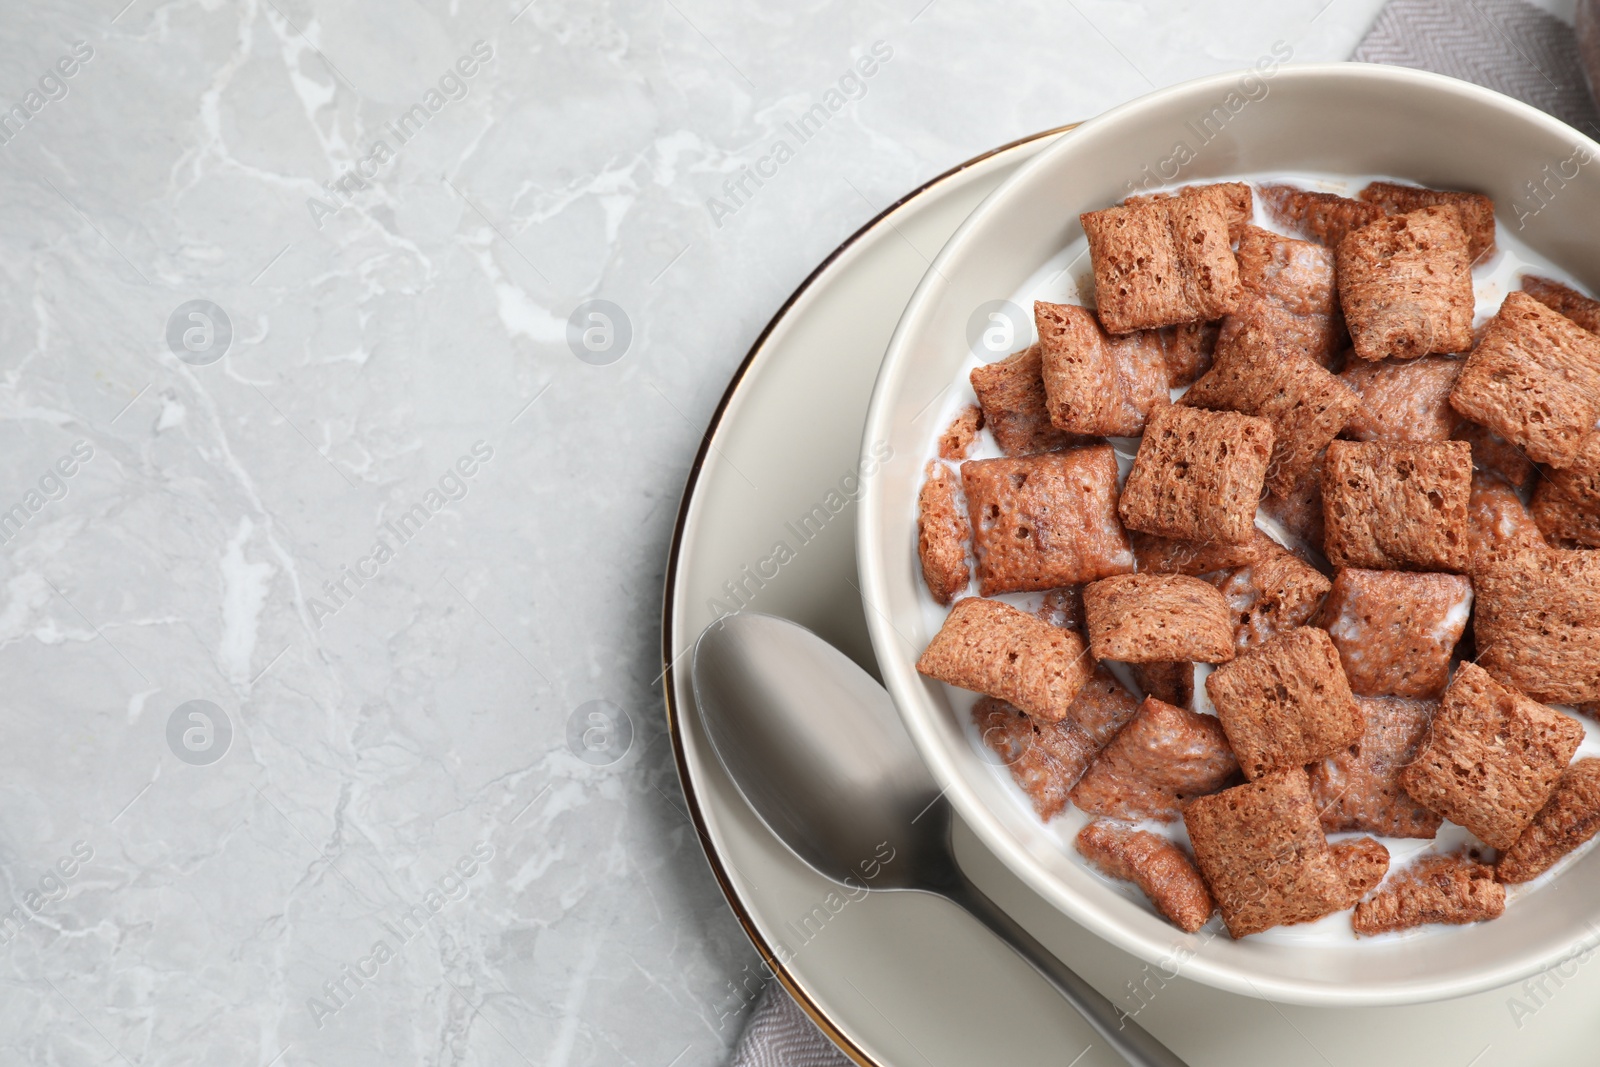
1322, 123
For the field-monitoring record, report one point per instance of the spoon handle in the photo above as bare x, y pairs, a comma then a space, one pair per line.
1116, 1027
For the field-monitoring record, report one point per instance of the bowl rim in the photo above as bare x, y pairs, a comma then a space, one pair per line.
905, 685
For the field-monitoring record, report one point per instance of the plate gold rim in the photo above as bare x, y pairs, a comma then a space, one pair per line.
668, 674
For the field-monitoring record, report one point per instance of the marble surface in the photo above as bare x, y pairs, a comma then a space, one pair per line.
334, 521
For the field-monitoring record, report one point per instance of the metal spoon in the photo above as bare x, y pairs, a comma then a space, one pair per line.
815, 746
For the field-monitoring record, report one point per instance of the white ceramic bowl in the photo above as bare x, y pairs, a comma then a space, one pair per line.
1337, 119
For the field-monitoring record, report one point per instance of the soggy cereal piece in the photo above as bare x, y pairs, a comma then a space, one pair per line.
1493, 758
1157, 618
1198, 475
1187, 350
1562, 521
957, 438
1047, 520
1397, 506
1581, 481
1493, 453
1538, 623
1497, 520
1163, 261
1451, 888
1565, 300
1476, 210
1299, 511
1305, 405
1405, 284
1096, 384
1402, 400
999, 651
942, 533
1286, 703
1238, 205
1395, 630
1047, 758
1569, 818
1534, 379
1290, 301
1358, 787
1362, 862
1163, 758
1064, 607
1157, 866
1011, 395
1171, 682
1165, 555
1324, 217
1103, 707
1277, 593
1263, 854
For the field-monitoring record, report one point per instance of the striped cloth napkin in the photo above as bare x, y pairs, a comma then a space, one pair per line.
1506, 45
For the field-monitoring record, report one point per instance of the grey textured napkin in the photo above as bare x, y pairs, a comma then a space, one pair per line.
1506, 45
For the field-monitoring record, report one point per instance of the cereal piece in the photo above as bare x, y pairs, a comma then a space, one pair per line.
1165, 555
1538, 623
1163, 758
1290, 301
1171, 682
1534, 379
1358, 787
1491, 452
1569, 818
1362, 863
1157, 618
1325, 217
1277, 593
1497, 520
1402, 400
1045, 520
1493, 758
1011, 394
999, 651
1064, 607
1263, 854
1476, 210
1581, 481
1163, 261
1405, 284
1285, 703
1198, 475
1565, 300
957, 438
1095, 384
1187, 350
1305, 405
942, 533
1397, 506
1048, 758
1395, 630
1238, 205
1562, 521
1299, 511
1045, 758
1157, 866
1435, 889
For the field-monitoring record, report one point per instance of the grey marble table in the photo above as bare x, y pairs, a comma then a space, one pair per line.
334, 510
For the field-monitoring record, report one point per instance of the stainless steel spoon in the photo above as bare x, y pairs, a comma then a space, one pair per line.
815, 746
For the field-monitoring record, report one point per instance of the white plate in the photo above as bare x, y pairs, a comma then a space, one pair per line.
1335, 119
905, 979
